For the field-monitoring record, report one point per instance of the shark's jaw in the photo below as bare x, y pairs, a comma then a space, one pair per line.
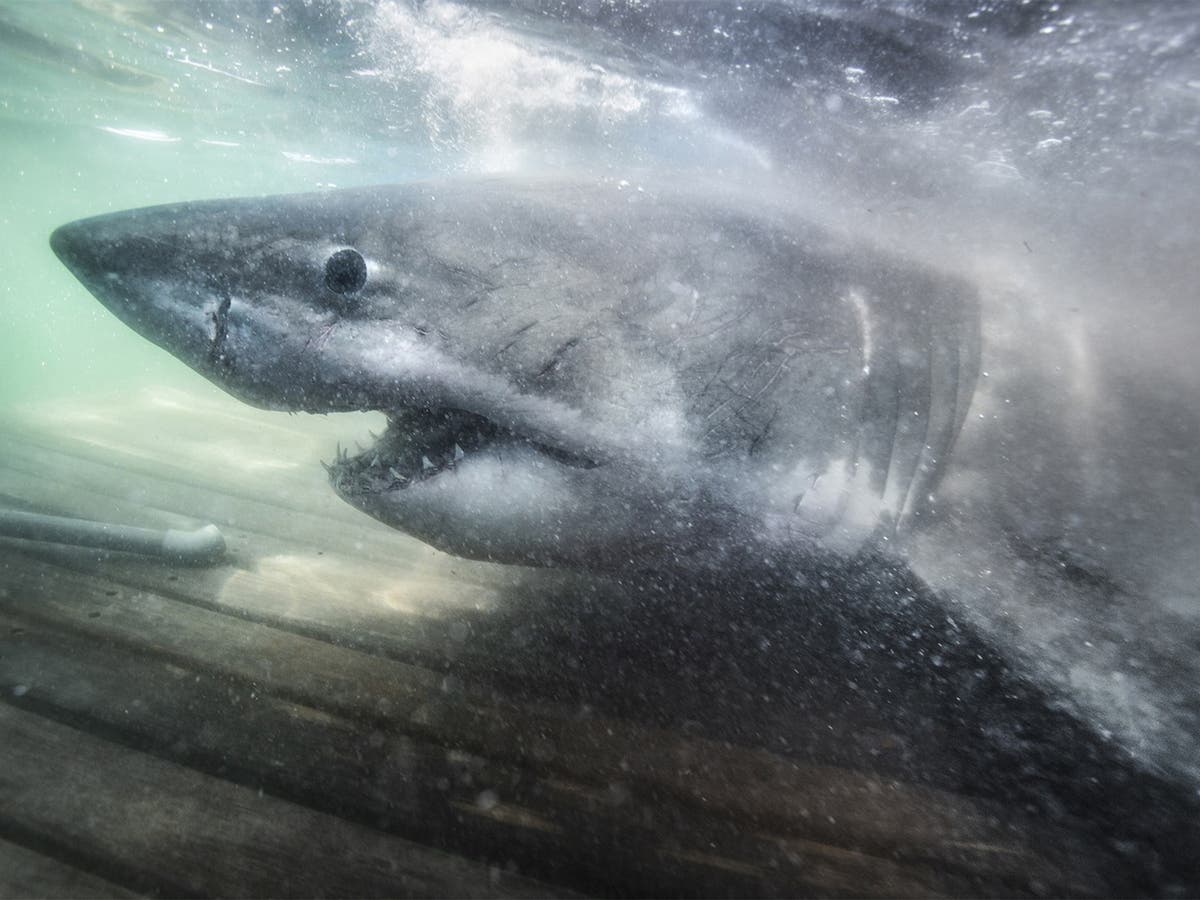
422, 443
526, 494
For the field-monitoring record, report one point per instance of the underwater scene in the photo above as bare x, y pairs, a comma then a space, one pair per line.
602, 447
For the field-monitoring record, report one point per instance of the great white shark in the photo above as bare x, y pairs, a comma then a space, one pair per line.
692, 378
575, 373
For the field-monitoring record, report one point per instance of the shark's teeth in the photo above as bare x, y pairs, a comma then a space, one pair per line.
419, 445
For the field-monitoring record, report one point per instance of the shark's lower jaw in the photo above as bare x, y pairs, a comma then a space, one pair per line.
422, 443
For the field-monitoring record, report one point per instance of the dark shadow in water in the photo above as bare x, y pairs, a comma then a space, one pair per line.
861, 667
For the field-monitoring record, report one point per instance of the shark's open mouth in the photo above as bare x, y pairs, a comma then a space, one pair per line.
421, 443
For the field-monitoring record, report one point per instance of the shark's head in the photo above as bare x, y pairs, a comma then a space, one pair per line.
574, 374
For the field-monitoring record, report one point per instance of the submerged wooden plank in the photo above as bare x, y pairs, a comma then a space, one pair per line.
760, 789
612, 840
26, 873
192, 834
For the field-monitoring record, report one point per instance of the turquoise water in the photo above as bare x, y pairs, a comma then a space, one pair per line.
57, 340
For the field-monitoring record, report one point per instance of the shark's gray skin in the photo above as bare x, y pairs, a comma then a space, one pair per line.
576, 373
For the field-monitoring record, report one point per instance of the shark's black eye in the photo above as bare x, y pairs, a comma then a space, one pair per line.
345, 272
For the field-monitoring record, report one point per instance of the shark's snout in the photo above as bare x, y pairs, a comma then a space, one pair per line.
96, 258
71, 243
136, 266
98, 253
100, 249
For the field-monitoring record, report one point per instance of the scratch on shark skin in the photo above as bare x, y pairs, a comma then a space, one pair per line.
319, 341
515, 337
556, 357
220, 332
